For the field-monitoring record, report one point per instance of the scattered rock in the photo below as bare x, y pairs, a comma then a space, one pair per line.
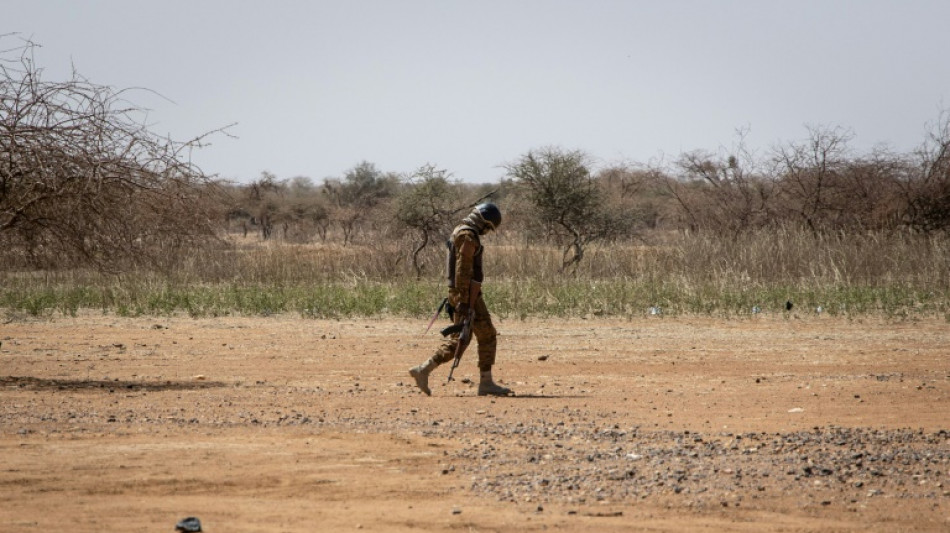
189, 525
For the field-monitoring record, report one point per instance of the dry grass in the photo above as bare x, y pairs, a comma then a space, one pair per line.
893, 273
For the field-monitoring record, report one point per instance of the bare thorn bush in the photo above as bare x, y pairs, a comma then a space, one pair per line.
83, 182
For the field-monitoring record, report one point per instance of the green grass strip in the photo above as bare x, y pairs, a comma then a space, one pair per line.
508, 299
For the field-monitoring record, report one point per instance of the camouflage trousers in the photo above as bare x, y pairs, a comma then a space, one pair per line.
482, 329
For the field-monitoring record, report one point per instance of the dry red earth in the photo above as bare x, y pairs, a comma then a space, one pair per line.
777, 423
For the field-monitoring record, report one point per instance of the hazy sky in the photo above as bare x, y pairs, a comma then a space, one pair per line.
317, 86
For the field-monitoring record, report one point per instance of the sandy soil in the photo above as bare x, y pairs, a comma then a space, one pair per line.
777, 423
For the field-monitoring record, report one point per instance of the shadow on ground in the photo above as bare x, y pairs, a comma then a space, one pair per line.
31, 383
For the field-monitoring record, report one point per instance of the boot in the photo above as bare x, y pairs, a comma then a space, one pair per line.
488, 387
421, 374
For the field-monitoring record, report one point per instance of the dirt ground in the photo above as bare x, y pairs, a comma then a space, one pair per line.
281, 424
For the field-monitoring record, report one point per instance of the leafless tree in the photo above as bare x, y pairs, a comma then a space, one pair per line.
868, 194
634, 190
84, 182
810, 174
724, 192
928, 191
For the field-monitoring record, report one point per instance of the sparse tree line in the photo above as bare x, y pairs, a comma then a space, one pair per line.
553, 195
84, 183
819, 184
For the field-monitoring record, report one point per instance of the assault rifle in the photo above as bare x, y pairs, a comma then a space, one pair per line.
465, 337
465, 326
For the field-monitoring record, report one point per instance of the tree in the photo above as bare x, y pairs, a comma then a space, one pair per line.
928, 191
722, 192
264, 196
83, 182
868, 195
424, 205
634, 190
810, 176
566, 200
308, 208
353, 198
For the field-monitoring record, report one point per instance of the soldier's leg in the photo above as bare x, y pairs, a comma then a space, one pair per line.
444, 354
487, 337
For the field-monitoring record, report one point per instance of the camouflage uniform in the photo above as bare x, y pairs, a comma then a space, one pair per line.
464, 265
468, 270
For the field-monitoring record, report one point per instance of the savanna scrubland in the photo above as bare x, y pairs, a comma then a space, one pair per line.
726, 340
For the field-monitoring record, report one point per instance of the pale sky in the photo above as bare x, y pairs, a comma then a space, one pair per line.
315, 87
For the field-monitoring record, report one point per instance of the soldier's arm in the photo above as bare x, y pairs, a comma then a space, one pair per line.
464, 267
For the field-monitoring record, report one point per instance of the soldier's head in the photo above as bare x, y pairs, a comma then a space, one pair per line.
484, 218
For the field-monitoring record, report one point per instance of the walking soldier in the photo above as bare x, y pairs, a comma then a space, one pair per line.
465, 276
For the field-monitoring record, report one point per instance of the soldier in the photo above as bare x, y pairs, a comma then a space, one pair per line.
465, 278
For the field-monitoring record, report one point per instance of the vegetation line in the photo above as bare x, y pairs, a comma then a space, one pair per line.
519, 300
99, 212
693, 275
